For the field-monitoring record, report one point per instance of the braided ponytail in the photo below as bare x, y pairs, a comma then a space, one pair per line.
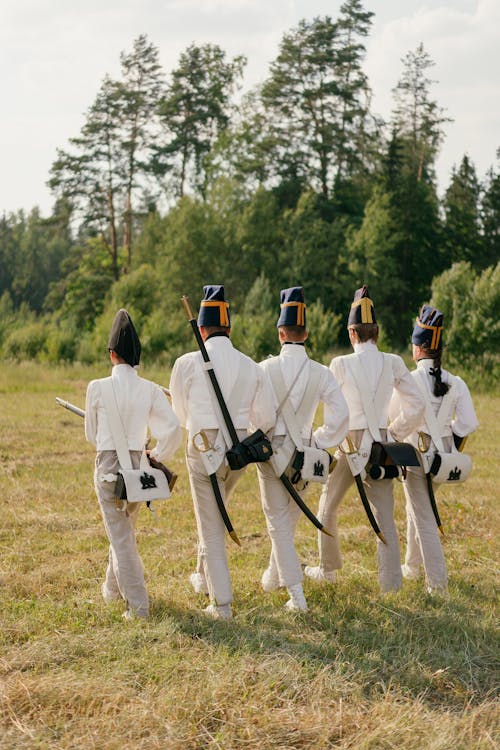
440, 388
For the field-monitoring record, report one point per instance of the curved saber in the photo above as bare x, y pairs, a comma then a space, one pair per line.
423, 447
432, 499
210, 461
222, 509
361, 489
368, 510
307, 511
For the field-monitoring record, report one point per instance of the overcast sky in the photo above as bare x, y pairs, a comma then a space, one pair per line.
55, 53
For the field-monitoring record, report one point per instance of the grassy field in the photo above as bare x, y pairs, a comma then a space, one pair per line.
359, 670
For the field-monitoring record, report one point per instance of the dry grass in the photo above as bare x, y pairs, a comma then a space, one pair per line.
358, 671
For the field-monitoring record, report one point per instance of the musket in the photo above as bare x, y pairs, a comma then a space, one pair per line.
356, 470
70, 407
227, 419
423, 446
171, 475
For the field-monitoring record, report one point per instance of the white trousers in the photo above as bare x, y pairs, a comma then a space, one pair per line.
422, 535
212, 557
125, 572
282, 514
380, 496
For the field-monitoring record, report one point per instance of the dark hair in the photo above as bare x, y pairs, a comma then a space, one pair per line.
365, 331
440, 388
294, 332
216, 329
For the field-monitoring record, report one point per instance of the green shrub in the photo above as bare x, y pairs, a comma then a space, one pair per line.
26, 342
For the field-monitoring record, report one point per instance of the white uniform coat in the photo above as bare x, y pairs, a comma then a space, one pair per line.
193, 403
280, 510
379, 493
422, 536
141, 404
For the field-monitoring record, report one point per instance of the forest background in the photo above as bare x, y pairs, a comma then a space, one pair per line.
175, 180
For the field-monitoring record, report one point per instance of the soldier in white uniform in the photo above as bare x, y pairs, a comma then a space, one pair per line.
301, 378
249, 400
423, 542
382, 374
141, 404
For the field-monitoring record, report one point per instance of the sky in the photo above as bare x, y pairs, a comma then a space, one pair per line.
54, 55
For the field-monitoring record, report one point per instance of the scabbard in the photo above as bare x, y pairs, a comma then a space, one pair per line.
368, 510
432, 499
307, 511
222, 509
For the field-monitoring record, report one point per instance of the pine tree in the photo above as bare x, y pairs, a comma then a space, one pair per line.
195, 110
490, 218
461, 232
316, 96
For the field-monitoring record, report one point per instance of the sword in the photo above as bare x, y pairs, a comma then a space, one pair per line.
423, 447
307, 511
352, 457
212, 457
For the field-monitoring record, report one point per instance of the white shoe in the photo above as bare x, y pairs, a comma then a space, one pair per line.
315, 573
222, 612
199, 583
297, 601
130, 614
411, 574
441, 592
270, 580
109, 596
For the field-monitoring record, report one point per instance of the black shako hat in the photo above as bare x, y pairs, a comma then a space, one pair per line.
362, 310
428, 329
292, 307
123, 338
214, 310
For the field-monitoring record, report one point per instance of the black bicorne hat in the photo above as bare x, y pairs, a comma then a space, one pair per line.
123, 338
362, 310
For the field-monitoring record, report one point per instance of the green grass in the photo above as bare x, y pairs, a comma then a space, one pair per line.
359, 670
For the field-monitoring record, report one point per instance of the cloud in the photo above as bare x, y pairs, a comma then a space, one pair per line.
54, 55
463, 45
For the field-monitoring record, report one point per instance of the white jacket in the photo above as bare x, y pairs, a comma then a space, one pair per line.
463, 418
193, 400
335, 412
141, 404
410, 405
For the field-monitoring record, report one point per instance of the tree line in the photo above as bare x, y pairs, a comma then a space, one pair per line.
177, 180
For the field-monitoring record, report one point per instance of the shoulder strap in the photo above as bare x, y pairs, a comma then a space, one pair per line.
435, 423
311, 391
370, 407
241, 385
294, 420
115, 423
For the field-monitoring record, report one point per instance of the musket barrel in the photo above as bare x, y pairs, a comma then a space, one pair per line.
70, 407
